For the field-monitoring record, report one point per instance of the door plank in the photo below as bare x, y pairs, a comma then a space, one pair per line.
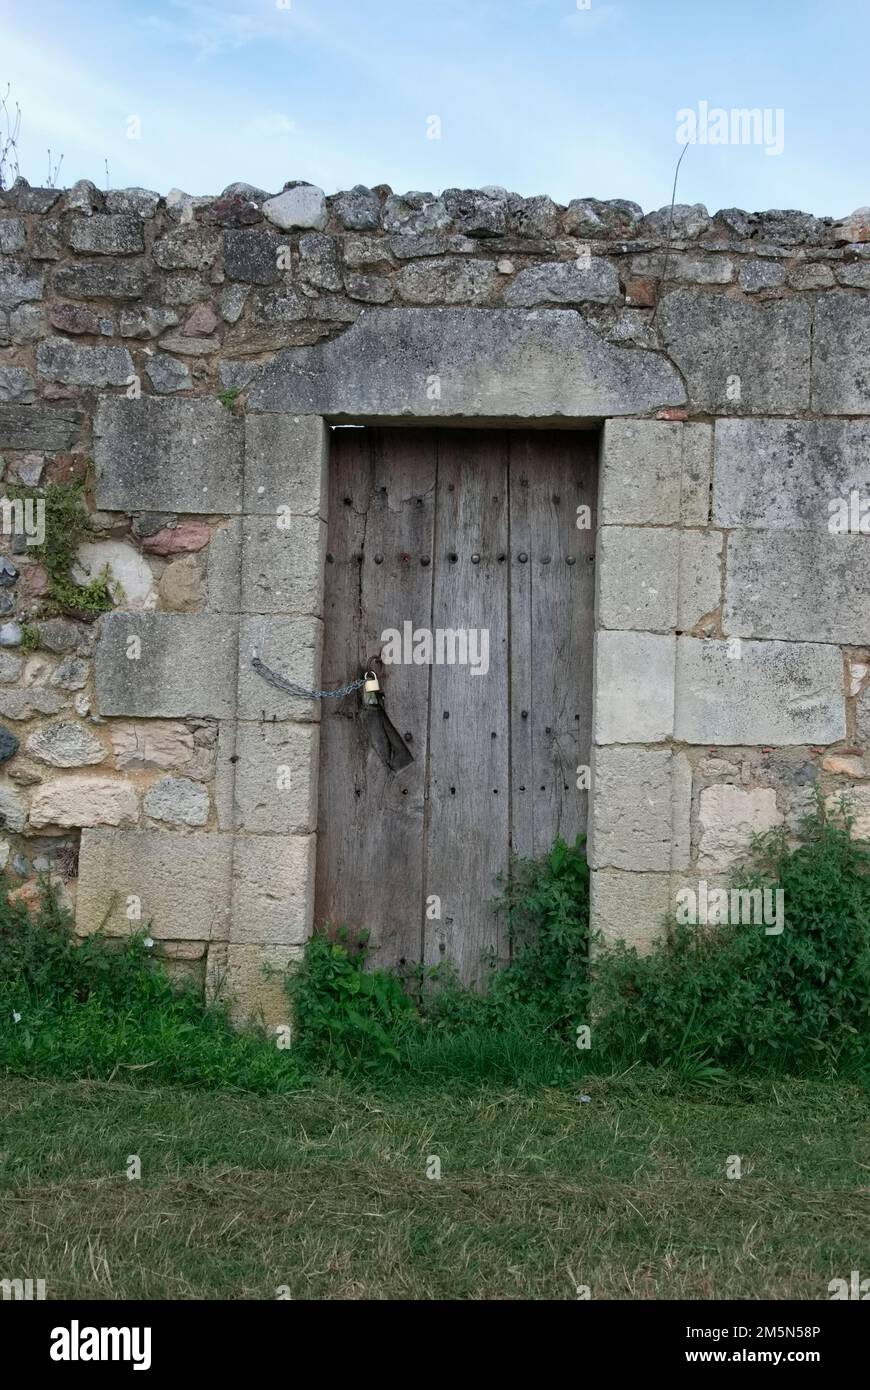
370, 821
551, 474
469, 762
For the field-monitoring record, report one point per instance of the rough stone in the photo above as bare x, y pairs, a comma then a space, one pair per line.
319, 261
252, 257
533, 217
415, 212
770, 693
177, 540
174, 456
177, 800
634, 687
66, 745
686, 221
498, 364
761, 275
729, 816
721, 343
70, 801
565, 282
13, 810
22, 198
59, 635
49, 428
253, 994
101, 280
12, 235
181, 585
24, 704
300, 206
137, 202
144, 322
232, 302
358, 209
18, 284
106, 235
182, 880
856, 275
589, 217
71, 673
167, 374
371, 289
187, 248
477, 213
811, 277
59, 360
447, 282
152, 744
131, 580
72, 318
17, 386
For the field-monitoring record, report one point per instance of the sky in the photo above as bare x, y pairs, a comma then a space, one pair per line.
575, 98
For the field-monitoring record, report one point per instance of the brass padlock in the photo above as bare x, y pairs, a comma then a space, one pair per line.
371, 690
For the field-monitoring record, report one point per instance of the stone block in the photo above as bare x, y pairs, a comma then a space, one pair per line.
634, 687
782, 474
291, 647
507, 363
273, 889
655, 471
177, 800
252, 983
224, 568
769, 693
841, 354
285, 464
740, 357
630, 907
801, 586
655, 580
166, 665
639, 817
182, 881
168, 455
282, 564
276, 778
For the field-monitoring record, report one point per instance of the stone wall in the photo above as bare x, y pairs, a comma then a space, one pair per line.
180, 357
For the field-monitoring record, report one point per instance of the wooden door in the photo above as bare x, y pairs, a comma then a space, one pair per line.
453, 532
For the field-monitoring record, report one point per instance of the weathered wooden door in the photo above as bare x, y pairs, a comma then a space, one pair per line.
453, 532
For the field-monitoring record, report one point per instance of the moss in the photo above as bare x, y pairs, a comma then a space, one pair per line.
67, 524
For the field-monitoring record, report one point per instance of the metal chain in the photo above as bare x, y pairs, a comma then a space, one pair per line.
292, 688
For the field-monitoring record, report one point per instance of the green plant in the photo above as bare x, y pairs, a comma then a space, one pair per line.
740, 998
345, 1012
29, 637
228, 397
104, 1007
67, 524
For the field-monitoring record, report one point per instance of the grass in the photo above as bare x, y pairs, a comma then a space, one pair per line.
324, 1191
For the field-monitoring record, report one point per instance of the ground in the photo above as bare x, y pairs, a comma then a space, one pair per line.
325, 1193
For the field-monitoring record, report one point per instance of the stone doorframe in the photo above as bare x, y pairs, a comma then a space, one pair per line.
246, 886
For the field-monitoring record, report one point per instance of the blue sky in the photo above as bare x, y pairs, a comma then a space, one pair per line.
537, 95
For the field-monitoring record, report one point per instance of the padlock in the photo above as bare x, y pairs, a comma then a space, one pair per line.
371, 690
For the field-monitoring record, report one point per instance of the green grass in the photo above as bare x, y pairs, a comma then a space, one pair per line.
325, 1191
